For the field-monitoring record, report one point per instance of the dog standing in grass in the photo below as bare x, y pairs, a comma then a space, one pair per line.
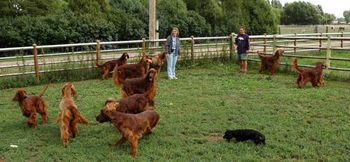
30, 105
69, 117
131, 126
108, 66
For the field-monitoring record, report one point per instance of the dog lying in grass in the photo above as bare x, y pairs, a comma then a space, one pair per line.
69, 117
134, 104
30, 105
245, 134
131, 126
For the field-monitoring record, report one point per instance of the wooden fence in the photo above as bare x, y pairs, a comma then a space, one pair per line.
193, 48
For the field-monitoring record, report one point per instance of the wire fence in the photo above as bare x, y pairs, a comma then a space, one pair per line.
38, 59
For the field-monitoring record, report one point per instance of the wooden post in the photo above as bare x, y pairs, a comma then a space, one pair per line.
329, 52
265, 41
143, 45
295, 43
152, 23
279, 30
274, 43
98, 51
341, 41
320, 45
192, 48
36, 62
232, 42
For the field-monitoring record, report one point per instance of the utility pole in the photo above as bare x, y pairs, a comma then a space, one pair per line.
152, 22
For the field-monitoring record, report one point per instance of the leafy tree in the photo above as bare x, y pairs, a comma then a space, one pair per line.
328, 18
276, 4
346, 15
259, 17
301, 13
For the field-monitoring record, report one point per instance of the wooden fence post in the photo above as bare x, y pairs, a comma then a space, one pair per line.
192, 48
143, 45
329, 52
274, 43
265, 41
36, 62
98, 51
320, 45
295, 43
232, 48
279, 30
341, 41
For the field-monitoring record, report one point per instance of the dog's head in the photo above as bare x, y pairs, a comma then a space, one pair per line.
279, 52
125, 56
159, 59
151, 75
68, 90
20, 95
321, 65
146, 59
228, 135
110, 105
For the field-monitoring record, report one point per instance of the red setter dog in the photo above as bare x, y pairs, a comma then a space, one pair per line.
108, 66
69, 117
131, 126
158, 61
270, 63
126, 71
145, 85
313, 75
30, 105
134, 104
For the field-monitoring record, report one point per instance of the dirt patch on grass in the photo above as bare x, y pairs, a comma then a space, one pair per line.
215, 137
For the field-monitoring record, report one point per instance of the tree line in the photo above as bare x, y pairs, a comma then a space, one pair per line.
24, 22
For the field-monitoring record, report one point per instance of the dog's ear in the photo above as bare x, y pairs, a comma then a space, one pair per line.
16, 97
74, 91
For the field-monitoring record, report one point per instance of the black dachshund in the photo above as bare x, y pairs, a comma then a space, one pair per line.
244, 135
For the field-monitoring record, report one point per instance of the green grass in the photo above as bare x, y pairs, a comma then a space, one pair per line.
299, 124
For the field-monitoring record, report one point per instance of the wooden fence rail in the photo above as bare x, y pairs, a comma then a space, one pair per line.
196, 45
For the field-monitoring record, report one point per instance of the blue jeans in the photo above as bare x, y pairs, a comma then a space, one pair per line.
171, 62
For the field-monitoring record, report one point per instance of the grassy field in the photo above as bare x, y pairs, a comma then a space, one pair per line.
309, 124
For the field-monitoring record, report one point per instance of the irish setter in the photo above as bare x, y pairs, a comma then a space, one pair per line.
158, 61
270, 63
131, 126
68, 116
30, 105
313, 75
145, 85
108, 66
134, 104
126, 71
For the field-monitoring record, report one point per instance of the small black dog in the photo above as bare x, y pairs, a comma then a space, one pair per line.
244, 135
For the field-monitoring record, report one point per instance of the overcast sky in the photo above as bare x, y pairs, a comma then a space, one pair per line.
336, 7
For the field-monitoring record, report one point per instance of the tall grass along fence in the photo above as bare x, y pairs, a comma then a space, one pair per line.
66, 62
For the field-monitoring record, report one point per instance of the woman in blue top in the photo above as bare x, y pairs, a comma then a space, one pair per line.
173, 49
242, 45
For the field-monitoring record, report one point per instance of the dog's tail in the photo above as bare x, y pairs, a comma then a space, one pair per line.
295, 66
77, 116
43, 91
98, 64
260, 54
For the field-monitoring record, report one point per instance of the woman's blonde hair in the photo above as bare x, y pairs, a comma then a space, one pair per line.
176, 29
